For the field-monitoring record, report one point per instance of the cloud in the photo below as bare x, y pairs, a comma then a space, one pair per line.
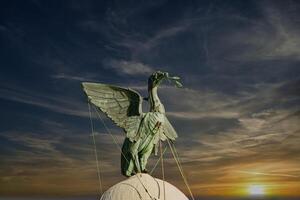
199, 115
46, 162
3, 28
138, 47
73, 78
286, 33
128, 67
267, 174
33, 140
57, 104
273, 37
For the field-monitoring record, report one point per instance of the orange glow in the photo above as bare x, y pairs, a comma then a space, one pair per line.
255, 179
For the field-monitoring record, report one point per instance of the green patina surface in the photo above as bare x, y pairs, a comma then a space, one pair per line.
143, 130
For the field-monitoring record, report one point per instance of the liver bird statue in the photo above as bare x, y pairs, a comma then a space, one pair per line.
143, 130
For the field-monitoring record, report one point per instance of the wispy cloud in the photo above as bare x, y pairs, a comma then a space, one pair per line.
74, 77
40, 160
274, 37
267, 174
57, 104
129, 67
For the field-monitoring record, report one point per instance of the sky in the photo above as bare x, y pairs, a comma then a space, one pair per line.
237, 115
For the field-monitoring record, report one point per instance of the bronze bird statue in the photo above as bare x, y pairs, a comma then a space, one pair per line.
143, 130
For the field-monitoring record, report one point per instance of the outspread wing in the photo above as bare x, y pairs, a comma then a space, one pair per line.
122, 105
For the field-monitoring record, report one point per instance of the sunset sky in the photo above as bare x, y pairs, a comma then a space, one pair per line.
237, 116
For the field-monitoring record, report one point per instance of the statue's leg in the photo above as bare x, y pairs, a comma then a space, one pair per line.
137, 163
145, 154
134, 153
127, 164
130, 169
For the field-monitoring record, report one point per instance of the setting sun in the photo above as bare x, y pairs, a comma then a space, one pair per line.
256, 190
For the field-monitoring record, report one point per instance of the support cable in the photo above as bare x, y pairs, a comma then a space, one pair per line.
95, 151
154, 167
176, 158
162, 168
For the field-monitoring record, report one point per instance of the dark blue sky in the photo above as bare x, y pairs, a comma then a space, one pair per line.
238, 112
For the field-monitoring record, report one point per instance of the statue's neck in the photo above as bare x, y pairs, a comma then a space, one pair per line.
155, 104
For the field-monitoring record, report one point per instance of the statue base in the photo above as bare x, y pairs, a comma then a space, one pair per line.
143, 187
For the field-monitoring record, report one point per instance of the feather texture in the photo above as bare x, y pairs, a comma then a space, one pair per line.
122, 105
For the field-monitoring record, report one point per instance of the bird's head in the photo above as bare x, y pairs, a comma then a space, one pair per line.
157, 77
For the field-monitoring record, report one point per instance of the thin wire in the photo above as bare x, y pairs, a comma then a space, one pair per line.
180, 169
154, 167
115, 141
178, 158
95, 150
162, 168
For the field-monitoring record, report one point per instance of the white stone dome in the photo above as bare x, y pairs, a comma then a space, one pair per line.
134, 188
